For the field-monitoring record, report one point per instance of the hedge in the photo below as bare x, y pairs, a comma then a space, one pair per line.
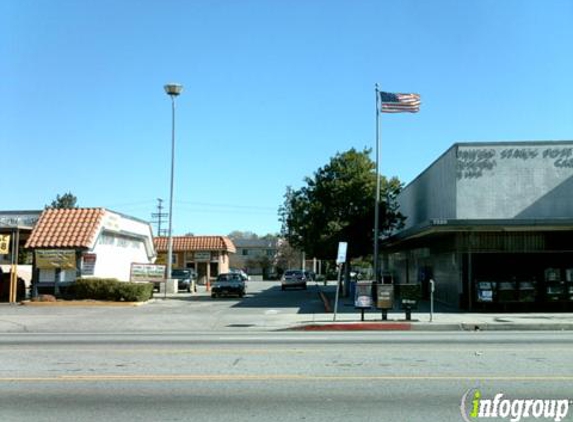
112, 289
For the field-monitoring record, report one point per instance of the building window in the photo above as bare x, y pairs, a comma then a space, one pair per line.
245, 252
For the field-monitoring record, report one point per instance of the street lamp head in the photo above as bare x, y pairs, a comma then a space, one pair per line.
173, 89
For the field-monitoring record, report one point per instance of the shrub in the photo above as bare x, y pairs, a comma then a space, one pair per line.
134, 292
112, 289
96, 288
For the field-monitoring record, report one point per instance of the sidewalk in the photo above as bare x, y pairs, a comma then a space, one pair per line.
443, 319
193, 313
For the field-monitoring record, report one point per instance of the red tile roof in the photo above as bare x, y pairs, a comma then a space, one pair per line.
195, 243
66, 228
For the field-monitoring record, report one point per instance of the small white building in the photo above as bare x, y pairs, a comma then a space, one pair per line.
87, 242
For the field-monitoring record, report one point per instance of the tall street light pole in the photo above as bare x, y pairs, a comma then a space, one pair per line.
173, 90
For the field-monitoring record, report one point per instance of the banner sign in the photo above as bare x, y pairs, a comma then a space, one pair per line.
56, 258
162, 259
88, 263
147, 273
4, 244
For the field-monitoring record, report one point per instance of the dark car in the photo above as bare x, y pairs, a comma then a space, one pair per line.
228, 284
184, 278
294, 278
310, 275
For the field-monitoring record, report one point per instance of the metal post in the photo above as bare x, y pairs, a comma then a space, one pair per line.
170, 230
172, 90
432, 288
377, 195
170, 235
337, 292
13, 286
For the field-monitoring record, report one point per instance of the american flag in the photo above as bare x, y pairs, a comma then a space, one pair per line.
399, 103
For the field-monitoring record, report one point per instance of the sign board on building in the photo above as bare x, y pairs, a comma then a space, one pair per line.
88, 263
147, 273
203, 256
56, 258
4, 244
341, 255
19, 219
112, 222
162, 259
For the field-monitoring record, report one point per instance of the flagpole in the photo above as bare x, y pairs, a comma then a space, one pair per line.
377, 195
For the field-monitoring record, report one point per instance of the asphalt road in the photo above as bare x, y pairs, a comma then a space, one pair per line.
274, 376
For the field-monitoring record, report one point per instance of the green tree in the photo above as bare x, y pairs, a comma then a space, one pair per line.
287, 257
263, 262
67, 200
337, 204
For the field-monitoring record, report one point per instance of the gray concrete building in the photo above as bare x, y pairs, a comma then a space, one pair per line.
492, 224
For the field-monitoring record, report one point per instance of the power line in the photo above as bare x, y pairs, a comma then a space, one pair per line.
227, 206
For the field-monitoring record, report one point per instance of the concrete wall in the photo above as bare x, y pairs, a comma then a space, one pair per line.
493, 181
514, 180
433, 193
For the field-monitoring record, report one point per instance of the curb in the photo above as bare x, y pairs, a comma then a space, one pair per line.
430, 327
550, 326
355, 326
79, 303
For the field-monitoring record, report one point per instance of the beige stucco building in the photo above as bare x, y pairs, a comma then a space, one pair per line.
207, 255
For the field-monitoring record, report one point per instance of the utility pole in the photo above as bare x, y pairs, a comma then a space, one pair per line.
160, 218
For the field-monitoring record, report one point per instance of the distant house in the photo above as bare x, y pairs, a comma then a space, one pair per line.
87, 242
207, 255
255, 256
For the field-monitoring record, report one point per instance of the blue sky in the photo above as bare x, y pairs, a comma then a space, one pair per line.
272, 90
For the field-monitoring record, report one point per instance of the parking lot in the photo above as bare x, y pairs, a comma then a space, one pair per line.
264, 307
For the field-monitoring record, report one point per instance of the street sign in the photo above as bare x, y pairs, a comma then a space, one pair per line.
341, 256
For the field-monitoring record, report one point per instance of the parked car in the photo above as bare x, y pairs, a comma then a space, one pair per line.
310, 275
184, 278
294, 278
243, 274
229, 284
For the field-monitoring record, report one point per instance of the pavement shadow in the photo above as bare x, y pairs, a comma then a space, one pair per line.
307, 301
